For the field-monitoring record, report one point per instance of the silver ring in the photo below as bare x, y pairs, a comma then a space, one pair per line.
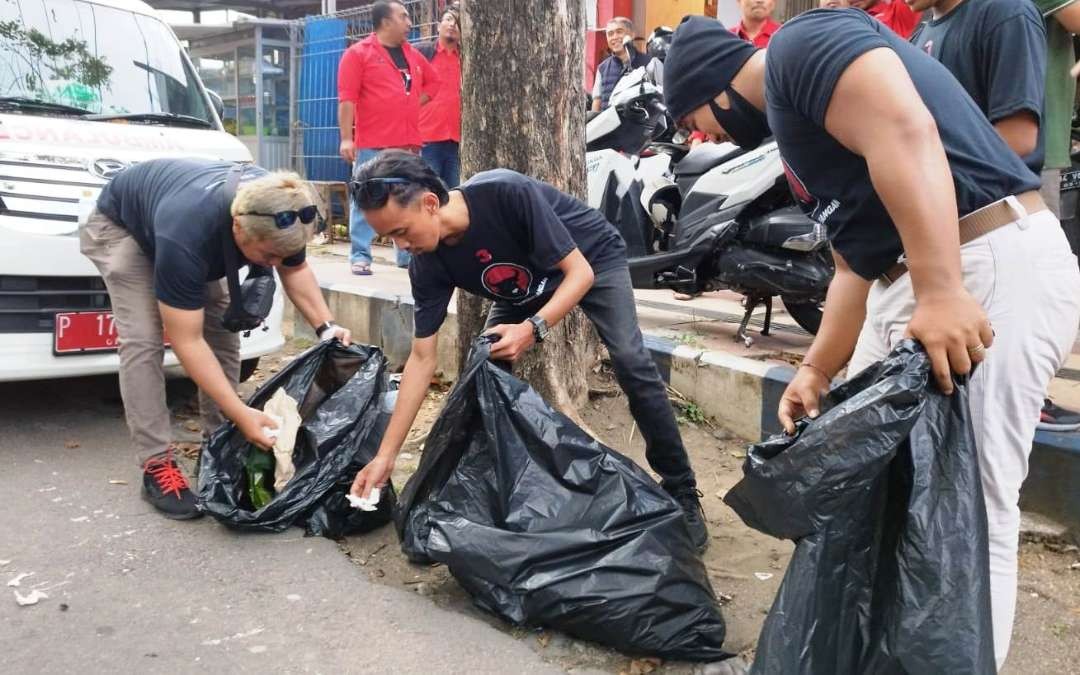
976, 350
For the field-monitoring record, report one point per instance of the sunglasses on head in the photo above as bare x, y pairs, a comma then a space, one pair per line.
283, 219
373, 193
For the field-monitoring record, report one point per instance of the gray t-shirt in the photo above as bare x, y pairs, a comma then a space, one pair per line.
175, 210
996, 49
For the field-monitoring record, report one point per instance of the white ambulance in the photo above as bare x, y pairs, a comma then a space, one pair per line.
87, 87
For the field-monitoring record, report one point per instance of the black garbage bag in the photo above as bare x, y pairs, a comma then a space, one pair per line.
882, 495
340, 391
544, 526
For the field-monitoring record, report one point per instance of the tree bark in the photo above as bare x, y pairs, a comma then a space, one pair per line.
523, 108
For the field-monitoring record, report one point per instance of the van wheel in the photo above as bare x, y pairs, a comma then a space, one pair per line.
247, 368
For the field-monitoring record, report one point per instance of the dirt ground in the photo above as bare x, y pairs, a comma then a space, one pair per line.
745, 567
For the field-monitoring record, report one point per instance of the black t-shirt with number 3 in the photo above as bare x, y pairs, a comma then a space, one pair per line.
519, 230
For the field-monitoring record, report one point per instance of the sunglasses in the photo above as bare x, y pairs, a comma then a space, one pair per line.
284, 219
373, 193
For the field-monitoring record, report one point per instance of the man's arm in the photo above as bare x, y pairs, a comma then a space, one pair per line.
1020, 131
185, 329
596, 90
845, 311
894, 132
346, 111
1069, 17
431, 81
415, 380
516, 339
304, 292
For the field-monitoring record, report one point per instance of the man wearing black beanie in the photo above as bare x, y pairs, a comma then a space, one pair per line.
937, 228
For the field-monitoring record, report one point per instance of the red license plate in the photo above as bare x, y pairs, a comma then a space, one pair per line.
80, 332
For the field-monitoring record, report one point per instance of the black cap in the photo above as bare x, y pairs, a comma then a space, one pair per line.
703, 58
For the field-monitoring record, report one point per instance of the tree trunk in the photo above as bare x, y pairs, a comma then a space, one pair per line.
523, 108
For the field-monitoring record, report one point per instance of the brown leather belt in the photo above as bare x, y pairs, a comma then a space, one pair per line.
979, 222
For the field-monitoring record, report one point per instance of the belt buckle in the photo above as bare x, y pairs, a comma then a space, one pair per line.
1019, 211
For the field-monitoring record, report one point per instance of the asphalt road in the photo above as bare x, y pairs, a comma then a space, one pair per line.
129, 591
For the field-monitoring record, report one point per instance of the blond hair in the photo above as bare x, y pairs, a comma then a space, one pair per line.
270, 194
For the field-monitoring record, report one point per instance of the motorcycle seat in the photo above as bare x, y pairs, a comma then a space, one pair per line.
706, 156
773, 229
590, 115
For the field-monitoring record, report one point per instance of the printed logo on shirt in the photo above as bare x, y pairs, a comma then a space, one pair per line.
798, 188
507, 281
483, 256
929, 47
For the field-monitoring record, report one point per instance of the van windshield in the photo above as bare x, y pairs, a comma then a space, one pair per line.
60, 57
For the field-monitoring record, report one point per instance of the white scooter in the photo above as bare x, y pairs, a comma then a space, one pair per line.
715, 218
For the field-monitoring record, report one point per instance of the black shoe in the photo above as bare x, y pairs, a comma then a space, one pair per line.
166, 487
1055, 418
689, 499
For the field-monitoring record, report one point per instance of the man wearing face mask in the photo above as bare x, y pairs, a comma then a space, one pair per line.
937, 228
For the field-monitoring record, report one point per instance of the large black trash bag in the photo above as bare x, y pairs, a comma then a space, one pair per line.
340, 391
882, 495
544, 526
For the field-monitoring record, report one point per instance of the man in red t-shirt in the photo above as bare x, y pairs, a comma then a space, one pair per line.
440, 120
757, 24
893, 13
382, 82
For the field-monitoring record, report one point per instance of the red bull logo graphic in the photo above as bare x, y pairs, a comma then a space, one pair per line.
507, 281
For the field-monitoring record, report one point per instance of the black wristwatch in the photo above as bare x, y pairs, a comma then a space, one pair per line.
540, 327
323, 327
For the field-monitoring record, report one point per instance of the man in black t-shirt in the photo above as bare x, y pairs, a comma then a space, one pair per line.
159, 236
996, 49
537, 253
937, 228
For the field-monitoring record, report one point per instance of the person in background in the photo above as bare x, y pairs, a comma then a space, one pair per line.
382, 82
893, 13
440, 120
756, 25
624, 58
834, 4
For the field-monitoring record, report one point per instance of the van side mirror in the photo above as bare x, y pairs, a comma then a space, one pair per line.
215, 99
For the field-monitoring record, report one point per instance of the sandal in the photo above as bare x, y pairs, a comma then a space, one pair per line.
361, 269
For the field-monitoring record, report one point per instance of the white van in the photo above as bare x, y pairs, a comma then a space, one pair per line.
87, 87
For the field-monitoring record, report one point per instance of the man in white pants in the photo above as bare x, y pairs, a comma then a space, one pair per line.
937, 227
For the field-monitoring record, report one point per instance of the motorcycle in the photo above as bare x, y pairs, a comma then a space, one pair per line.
719, 217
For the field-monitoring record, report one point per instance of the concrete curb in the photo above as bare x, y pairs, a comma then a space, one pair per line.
740, 393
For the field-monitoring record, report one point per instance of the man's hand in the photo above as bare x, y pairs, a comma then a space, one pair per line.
514, 340
343, 334
251, 422
954, 331
375, 474
347, 150
802, 396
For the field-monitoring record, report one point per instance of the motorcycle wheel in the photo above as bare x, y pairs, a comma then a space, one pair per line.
806, 314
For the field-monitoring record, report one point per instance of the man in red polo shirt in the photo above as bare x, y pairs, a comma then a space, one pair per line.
440, 121
757, 24
382, 82
893, 13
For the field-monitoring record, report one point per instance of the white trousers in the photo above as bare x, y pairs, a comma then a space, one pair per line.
1026, 279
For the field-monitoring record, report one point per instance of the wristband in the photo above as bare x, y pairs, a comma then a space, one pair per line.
323, 327
807, 364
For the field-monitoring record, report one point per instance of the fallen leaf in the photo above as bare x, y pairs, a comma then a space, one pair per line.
544, 639
192, 425
644, 666
71, 445
739, 455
